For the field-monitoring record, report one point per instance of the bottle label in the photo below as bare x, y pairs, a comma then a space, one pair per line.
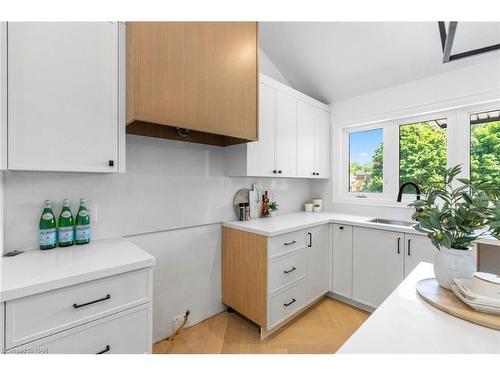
82, 232
66, 214
47, 216
83, 213
48, 237
66, 234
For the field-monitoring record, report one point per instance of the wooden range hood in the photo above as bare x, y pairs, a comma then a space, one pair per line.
193, 81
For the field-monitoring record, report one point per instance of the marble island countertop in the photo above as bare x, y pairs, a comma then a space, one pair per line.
36, 271
404, 323
281, 224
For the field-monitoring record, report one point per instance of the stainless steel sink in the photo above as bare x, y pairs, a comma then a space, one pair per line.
392, 222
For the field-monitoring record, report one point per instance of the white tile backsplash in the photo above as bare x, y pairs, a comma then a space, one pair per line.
168, 185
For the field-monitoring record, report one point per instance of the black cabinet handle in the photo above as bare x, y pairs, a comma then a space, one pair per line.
290, 270
280, 171
111, 163
399, 251
290, 243
107, 349
341, 227
409, 251
76, 306
317, 173
310, 239
275, 171
289, 303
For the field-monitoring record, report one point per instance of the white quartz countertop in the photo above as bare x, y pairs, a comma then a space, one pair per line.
37, 271
300, 220
404, 323
285, 223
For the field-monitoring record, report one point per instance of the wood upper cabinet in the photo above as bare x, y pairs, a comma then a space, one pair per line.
201, 76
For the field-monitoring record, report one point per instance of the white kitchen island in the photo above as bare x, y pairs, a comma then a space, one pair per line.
404, 323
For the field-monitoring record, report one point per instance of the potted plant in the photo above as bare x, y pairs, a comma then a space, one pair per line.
454, 215
272, 208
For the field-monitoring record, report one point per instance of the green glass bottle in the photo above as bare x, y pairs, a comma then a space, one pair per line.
66, 226
47, 227
82, 224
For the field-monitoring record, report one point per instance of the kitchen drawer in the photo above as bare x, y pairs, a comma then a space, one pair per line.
285, 303
127, 332
31, 318
284, 243
284, 270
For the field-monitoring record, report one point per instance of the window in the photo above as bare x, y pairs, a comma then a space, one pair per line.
485, 147
422, 153
377, 157
366, 161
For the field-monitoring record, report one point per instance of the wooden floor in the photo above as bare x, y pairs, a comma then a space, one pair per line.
323, 328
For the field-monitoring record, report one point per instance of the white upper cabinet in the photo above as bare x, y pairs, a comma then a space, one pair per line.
294, 136
322, 144
286, 135
306, 117
64, 102
261, 153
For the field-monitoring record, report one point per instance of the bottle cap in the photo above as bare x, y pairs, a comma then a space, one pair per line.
82, 200
47, 202
65, 202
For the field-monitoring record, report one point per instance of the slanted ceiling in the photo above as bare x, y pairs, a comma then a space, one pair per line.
332, 61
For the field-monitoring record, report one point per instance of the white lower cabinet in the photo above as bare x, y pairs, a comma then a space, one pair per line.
317, 260
285, 303
377, 264
342, 260
110, 315
417, 249
368, 264
121, 333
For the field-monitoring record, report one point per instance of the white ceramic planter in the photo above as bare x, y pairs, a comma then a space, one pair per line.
452, 264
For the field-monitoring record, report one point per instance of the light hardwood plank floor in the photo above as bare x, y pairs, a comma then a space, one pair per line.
323, 328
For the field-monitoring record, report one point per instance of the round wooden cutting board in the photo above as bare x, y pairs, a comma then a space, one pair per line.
447, 301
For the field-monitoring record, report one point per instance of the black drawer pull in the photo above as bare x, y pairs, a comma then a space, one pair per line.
341, 227
108, 348
399, 251
76, 306
409, 247
290, 243
290, 270
289, 303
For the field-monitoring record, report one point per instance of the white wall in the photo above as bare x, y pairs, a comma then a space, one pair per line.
267, 67
474, 84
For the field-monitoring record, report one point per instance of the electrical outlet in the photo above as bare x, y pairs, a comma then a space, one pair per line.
92, 210
177, 321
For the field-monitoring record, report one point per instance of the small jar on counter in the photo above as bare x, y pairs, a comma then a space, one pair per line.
247, 211
242, 211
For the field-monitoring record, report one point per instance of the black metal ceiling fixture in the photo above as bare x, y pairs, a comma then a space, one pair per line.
447, 43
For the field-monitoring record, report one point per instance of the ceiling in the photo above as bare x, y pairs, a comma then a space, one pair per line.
332, 61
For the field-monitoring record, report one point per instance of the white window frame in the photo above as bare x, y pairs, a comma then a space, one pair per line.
457, 138
346, 159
